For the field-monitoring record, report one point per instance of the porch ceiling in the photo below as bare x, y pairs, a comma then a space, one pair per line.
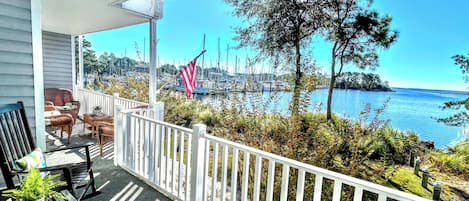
75, 17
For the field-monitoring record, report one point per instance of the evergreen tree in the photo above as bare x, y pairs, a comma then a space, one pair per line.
460, 118
356, 32
279, 30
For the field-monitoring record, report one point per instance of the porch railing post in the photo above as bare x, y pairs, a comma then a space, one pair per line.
198, 160
118, 122
114, 102
157, 111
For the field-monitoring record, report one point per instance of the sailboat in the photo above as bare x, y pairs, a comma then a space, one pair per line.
201, 88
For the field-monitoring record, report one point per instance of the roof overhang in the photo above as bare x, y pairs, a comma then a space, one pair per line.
76, 17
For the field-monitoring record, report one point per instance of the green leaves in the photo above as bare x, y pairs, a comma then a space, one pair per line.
461, 118
35, 187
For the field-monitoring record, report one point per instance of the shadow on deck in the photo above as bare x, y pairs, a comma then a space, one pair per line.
112, 182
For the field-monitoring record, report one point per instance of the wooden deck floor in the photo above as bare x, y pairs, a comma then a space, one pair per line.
112, 182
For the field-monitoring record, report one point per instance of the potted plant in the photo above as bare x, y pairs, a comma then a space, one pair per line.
35, 187
97, 110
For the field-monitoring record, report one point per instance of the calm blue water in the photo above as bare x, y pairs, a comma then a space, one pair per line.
409, 109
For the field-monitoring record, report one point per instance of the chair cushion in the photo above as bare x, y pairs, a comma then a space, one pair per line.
107, 130
51, 113
35, 159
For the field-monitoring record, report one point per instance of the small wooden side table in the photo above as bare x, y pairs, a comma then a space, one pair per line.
92, 119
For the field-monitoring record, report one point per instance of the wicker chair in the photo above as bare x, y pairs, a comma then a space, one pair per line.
62, 97
64, 122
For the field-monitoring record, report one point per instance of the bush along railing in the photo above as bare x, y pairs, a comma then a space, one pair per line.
190, 164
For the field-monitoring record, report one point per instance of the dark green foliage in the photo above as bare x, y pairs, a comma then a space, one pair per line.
169, 69
461, 118
35, 187
90, 60
361, 81
462, 61
357, 33
456, 160
279, 31
107, 63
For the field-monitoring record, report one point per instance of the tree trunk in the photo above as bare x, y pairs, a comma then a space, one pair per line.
330, 91
297, 89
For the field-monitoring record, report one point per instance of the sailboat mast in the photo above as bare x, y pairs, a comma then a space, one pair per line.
203, 58
219, 56
236, 65
227, 55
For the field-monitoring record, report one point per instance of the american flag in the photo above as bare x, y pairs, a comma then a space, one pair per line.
189, 74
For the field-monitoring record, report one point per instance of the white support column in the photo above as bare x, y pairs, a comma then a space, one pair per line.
198, 161
37, 66
118, 132
74, 67
158, 112
153, 68
115, 96
80, 79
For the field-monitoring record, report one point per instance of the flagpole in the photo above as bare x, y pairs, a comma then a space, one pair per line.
203, 52
175, 76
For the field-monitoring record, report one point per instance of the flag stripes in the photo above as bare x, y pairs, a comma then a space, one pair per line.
189, 77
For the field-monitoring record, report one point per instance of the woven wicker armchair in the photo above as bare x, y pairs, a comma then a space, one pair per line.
62, 97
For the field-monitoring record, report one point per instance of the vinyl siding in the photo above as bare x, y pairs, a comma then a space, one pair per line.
57, 60
16, 58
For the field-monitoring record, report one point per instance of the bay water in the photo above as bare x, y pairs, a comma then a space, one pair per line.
408, 109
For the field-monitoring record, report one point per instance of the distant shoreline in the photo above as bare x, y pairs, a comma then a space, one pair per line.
435, 90
370, 90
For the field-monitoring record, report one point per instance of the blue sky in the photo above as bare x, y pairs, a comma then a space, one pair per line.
431, 31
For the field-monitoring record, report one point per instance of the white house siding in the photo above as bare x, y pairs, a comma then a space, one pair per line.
57, 60
16, 58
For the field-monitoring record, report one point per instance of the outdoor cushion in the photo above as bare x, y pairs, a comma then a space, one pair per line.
67, 106
35, 159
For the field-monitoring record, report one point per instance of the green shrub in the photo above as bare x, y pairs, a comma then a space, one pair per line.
208, 117
35, 187
456, 160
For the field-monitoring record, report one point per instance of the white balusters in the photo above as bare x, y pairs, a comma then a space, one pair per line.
167, 170
224, 170
257, 178
284, 189
300, 185
214, 171
317, 187
244, 187
181, 159
173, 163
234, 174
270, 180
358, 194
188, 165
337, 190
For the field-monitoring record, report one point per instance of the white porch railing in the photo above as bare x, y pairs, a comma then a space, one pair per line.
89, 99
176, 161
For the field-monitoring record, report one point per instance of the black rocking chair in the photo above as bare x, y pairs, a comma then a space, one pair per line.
16, 141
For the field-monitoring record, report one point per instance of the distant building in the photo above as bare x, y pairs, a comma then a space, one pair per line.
142, 68
124, 65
